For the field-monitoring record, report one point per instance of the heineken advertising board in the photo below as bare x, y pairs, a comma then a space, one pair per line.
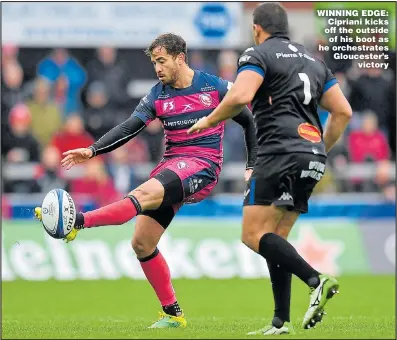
194, 249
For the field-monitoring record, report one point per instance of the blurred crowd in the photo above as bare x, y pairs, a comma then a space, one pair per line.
67, 99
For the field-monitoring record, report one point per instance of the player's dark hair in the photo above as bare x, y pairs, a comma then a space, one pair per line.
173, 44
272, 17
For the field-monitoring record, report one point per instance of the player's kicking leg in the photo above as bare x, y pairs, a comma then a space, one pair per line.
156, 201
148, 196
148, 230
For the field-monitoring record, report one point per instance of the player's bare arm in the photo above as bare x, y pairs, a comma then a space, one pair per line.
112, 140
240, 94
340, 111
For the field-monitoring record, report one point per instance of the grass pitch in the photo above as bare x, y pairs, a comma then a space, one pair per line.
365, 308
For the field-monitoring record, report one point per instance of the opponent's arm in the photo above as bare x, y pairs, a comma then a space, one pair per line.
246, 120
240, 94
117, 136
334, 101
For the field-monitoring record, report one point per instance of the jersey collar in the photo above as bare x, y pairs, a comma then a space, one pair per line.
277, 35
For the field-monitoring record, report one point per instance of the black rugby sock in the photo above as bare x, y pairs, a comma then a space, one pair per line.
277, 250
281, 285
173, 309
79, 222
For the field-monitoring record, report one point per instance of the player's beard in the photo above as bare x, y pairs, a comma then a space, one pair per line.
174, 76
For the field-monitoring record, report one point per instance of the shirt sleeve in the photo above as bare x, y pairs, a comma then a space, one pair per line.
330, 80
223, 87
145, 110
251, 60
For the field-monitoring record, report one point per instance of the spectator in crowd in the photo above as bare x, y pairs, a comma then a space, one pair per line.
100, 116
368, 144
9, 54
95, 183
337, 160
384, 182
46, 117
338, 157
234, 148
13, 92
154, 136
198, 62
370, 91
67, 76
227, 64
72, 135
121, 171
112, 73
138, 151
19, 145
49, 175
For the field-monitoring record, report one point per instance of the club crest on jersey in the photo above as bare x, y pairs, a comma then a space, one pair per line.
182, 165
309, 132
205, 99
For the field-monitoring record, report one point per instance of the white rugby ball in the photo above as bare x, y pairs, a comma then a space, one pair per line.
58, 213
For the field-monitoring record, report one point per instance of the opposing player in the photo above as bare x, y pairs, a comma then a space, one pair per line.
188, 172
285, 84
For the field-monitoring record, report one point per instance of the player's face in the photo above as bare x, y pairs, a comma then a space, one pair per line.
166, 66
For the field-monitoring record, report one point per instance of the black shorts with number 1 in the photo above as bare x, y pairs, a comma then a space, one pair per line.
287, 180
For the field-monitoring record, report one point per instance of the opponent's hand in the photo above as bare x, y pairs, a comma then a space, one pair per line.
247, 174
75, 156
201, 124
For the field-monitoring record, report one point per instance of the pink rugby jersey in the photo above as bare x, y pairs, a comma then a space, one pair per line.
179, 109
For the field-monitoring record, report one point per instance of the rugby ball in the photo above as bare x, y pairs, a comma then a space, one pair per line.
58, 213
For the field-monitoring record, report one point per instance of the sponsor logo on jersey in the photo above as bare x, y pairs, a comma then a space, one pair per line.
205, 99
208, 88
182, 122
187, 107
244, 58
169, 106
315, 171
309, 132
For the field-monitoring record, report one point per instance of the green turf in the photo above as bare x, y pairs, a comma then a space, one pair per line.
364, 308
